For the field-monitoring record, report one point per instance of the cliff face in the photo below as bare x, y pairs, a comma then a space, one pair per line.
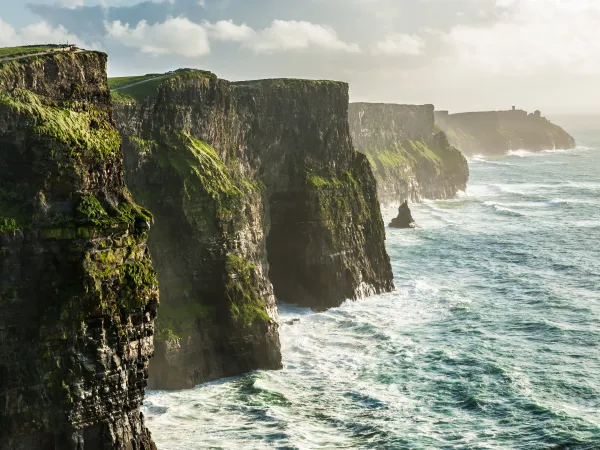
78, 294
253, 185
411, 158
496, 132
326, 242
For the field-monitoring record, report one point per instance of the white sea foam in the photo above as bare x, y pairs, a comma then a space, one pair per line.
521, 153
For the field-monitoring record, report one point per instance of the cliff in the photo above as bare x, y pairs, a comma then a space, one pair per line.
497, 132
257, 192
78, 293
411, 158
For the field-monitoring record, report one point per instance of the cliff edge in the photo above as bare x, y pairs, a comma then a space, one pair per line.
411, 158
78, 293
497, 132
257, 192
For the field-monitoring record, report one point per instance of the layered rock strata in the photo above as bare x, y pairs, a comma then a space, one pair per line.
411, 158
497, 132
254, 185
78, 293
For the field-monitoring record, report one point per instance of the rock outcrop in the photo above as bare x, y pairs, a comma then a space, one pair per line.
404, 218
78, 293
253, 185
410, 156
497, 132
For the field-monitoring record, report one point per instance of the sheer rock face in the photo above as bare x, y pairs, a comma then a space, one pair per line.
253, 185
326, 242
78, 293
411, 158
497, 132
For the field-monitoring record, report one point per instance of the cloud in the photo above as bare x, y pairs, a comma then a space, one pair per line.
38, 33
280, 36
226, 30
529, 38
400, 44
284, 35
177, 36
71, 4
180, 36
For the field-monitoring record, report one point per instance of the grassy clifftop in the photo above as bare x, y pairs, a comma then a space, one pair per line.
138, 88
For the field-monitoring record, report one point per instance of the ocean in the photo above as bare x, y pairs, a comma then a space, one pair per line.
490, 341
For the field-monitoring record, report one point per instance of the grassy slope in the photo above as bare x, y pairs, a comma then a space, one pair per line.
11, 52
118, 82
404, 157
148, 84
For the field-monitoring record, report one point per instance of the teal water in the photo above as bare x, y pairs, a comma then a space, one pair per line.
491, 340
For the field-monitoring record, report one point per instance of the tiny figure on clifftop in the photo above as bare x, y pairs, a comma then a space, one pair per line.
404, 219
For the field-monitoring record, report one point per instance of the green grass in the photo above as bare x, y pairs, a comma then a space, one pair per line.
148, 84
118, 82
86, 131
11, 52
246, 306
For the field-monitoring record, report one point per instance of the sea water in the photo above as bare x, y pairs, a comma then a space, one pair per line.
491, 339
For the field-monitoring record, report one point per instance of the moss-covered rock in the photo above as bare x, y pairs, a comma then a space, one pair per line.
411, 158
78, 293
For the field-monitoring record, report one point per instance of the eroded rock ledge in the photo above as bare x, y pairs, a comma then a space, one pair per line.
411, 158
254, 185
78, 293
497, 132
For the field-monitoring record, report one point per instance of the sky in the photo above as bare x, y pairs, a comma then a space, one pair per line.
461, 55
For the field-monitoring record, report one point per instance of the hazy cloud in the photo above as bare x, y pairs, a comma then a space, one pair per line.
284, 35
180, 36
558, 36
38, 33
71, 4
176, 36
226, 30
401, 44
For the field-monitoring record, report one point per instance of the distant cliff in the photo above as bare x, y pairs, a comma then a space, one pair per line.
78, 293
256, 191
497, 132
411, 158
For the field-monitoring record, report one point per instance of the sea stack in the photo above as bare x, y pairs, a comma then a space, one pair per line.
404, 218
78, 293
257, 192
410, 156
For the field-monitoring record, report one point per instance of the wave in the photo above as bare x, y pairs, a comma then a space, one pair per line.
501, 209
482, 159
571, 201
522, 153
583, 185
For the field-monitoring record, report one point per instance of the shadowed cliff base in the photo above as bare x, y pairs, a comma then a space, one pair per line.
411, 157
253, 185
497, 132
78, 293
